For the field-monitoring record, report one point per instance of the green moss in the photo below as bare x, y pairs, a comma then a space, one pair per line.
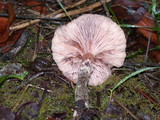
127, 94
60, 100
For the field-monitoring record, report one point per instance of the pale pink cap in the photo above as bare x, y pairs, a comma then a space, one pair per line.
93, 37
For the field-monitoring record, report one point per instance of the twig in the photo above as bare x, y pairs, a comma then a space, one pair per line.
105, 7
149, 41
41, 88
141, 64
33, 12
81, 10
147, 96
68, 7
33, 18
149, 2
47, 16
151, 76
66, 81
74, 12
36, 45
124, 107
25, 25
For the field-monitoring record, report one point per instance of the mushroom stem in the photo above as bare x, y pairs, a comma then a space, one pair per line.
81, 92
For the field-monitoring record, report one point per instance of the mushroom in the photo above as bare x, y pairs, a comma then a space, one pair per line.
91, 40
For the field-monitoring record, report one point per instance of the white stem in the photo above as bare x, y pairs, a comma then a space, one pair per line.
81, 92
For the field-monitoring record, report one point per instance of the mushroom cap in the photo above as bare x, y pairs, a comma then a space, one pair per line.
89, 37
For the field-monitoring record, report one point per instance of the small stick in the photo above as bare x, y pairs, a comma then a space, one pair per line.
105, 7
147, 96
30, 85
25, 25
74, 12
68, 7
81, 10
151, 76
34, 12
141, 64
149, 2
33, 18
49, 15
148, 45
124, 107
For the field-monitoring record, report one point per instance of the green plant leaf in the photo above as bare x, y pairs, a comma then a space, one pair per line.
18, 76
155, 48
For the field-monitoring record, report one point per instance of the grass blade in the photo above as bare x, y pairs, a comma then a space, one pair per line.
111, 11
129, 76
64, 9
136, 26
